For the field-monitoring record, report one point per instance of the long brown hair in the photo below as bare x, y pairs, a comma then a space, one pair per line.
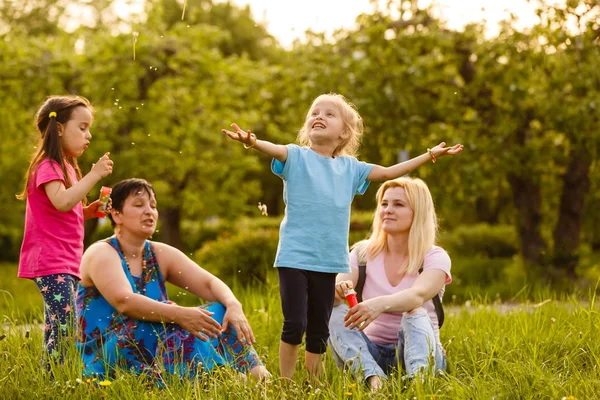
50, 128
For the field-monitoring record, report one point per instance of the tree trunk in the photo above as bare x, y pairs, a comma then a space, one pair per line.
170, 230
567, 234
527, 199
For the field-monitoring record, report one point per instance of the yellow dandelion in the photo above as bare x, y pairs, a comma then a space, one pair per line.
348, 394
352, 385
105, 383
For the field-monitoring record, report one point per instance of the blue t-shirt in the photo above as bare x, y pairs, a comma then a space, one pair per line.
318, 192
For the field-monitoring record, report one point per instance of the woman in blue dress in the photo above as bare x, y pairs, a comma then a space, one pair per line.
125, 318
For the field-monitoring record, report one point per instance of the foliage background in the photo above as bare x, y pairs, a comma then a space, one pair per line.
519, 206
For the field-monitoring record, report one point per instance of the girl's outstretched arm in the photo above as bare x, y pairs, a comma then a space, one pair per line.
250, 141
379, 173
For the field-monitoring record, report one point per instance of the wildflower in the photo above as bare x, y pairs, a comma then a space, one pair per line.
352, 385
348, 394
263, 209
78, 380
105, 383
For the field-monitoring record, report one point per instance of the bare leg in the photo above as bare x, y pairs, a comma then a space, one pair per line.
288, 357
313, 365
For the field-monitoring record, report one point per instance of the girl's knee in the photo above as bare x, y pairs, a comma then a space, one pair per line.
293, 330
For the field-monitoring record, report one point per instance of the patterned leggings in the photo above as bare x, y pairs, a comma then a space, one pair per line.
59, 294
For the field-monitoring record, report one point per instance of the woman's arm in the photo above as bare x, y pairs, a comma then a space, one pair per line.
379, 173
101, 265
185, 273
277, 151
428, 284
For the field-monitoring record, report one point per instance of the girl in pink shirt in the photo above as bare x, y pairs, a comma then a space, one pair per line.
55, 193
397, 322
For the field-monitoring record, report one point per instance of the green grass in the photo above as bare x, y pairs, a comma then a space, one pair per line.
546, 352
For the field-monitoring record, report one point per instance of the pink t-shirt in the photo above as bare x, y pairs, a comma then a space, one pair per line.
53, 240
385, 328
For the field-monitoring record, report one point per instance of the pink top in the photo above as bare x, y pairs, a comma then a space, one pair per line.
385, 328
53, 240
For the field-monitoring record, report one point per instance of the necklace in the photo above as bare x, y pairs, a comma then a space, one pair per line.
143, 277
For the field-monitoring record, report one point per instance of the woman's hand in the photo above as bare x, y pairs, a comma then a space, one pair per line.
364, 313
103, 167
198, 322
248, 138
340, 288
235, 316
442, 150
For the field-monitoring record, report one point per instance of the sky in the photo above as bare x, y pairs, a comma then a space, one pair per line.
287, 20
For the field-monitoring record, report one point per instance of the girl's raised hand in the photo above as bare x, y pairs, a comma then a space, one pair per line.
248, 138
442, 150
104, 166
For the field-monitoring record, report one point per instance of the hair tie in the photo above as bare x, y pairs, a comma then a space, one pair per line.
52, 114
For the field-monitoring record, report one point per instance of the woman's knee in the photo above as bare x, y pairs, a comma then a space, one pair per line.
337, 316
217, 309
416, 320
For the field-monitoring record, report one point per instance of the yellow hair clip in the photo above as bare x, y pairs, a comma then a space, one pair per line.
52, 114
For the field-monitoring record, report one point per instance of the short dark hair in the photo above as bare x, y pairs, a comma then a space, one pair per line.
122, 190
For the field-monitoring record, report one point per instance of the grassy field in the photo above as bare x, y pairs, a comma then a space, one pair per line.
537, 350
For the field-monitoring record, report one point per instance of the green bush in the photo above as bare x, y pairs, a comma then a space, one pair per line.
245, 257
195, 233
361, 221
481, 240
494, 278
10, 243
246, 224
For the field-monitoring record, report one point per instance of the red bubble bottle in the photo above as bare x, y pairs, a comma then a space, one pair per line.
104, 197
351, 297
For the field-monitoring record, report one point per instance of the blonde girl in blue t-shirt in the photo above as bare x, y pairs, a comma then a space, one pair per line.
321, 178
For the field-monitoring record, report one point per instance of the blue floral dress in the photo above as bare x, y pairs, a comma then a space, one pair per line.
108, 340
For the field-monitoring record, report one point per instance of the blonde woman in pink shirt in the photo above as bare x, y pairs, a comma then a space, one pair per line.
55, 192
397, 322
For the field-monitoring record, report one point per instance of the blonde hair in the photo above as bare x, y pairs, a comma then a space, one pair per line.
353, 125
423, 229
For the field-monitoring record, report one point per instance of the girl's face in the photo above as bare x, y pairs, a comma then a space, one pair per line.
324, 122
76, 136
139, 215
395, 212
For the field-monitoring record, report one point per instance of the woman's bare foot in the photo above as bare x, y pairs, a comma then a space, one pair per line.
375, 383
260, 372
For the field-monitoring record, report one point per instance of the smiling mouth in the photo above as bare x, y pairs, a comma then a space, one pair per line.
318, 125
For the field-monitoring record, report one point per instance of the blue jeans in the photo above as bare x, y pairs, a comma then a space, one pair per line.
416, 347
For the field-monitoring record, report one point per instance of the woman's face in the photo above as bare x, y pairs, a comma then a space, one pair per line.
395, 212
139, 214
